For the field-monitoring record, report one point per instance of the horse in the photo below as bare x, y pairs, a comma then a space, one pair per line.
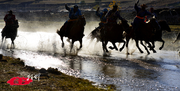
76, 31
145, 33
10, 32
113, 33
158, 34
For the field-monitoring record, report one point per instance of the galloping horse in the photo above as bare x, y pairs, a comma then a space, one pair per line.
158, 34
113, 33
10, 32
145, 33
76, 31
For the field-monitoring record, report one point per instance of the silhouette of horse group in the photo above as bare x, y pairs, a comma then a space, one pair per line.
148, 32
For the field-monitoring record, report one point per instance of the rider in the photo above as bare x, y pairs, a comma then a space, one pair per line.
151, 10
9, 20
113, 15
74, 13
141, 13
102, 17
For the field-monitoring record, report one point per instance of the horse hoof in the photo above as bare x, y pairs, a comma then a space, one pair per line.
160, 48
107, 51
120, 50
62, 45
154, 51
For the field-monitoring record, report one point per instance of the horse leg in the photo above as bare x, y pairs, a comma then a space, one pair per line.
151, 47
127, 42
62, 41
162, 44
72, 43
12, 44
2, 41
80, 41
114, 46
137, 45
104, 43
145, 47
105, 46
122, 46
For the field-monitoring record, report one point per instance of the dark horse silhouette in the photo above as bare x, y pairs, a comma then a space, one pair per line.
110, 32
10, 32
158, 34
145, 33
76, 31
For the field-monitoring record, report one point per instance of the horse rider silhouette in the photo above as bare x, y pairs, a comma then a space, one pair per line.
139, 19
102, 17
74, 13
9, 21
113, 15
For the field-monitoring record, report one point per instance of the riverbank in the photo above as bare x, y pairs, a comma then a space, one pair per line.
50, 79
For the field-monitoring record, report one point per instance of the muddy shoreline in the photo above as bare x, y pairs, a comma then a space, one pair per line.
50, 79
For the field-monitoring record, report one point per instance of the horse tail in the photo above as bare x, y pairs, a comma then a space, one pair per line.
58, 31
94, 33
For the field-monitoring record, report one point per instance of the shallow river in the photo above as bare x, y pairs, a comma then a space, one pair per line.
157, 71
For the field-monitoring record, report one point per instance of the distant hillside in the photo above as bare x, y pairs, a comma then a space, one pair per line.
55, 4
52, 9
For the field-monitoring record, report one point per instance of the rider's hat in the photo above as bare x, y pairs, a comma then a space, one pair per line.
10, 11
75, 6
144, 6
105, 10
115, 6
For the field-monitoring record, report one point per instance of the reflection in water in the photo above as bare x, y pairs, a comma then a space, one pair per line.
126, 74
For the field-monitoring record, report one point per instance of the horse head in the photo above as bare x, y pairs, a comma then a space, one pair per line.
82, 20
154, 23
164, 25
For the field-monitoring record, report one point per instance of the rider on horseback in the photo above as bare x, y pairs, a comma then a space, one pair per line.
139, 19
74, 13
9, 20
102, 17
113, 15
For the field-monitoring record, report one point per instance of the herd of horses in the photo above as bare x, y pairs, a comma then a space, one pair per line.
122, 32
149, 32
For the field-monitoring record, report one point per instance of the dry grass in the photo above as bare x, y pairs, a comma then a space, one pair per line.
175, 27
